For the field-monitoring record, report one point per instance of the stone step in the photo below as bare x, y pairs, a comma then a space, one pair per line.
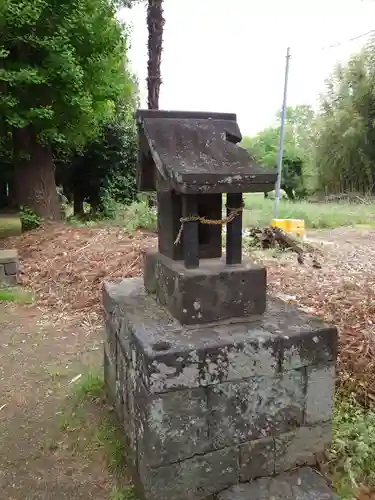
302, 484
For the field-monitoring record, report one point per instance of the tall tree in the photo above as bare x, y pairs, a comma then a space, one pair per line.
61, 68
345, 137
297, 146
155, 25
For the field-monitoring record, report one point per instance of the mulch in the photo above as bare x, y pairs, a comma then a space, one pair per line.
65, 267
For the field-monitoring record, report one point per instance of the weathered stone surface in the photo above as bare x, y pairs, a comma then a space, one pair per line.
110, 340
210, 293
10, 268
303, 484
175, 356
204, 406
300, 446
320, 393
131, 415
172, 426
306, 340
109, 376
257, 459
121, 387
254, 408
254, 351
8, 255
192, 479
197, 152
7, 280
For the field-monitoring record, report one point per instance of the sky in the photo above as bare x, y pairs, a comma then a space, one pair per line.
229, 56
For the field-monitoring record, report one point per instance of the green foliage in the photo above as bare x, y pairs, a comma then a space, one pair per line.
89, 387
112, 159
127, 493
264, 148
139, 216
62, 67
259, 211
345, 136
109, 438
29, 219
353, 447
15, 294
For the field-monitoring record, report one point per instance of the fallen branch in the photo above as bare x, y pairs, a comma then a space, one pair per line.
273, 237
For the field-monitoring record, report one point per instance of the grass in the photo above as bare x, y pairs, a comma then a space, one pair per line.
108, 439
124, 494
353, 447
90, 387
10, 225
130, 218
105, 437
259, 211
15, 294
352, 454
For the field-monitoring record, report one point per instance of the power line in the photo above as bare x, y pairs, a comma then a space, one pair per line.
312, 52
338, 44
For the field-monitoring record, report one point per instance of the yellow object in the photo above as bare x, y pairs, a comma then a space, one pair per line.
296, 227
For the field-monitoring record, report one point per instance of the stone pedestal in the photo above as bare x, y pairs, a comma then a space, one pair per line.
8, 268
212, 292
207, 406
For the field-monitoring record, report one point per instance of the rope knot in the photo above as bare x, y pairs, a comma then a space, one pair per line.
233, 213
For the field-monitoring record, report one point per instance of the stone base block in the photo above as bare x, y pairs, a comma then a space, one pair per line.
207, 406
212, 292
303, 484
8, 267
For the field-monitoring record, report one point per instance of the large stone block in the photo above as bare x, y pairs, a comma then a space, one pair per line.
11, 268
172, 426
302, 484
8, 267
212, 292
192, 479
204, 406
257, 459
301, 446
170, 356
320, 393
255, 408
122, 388
109, 376
305, 340
131, 421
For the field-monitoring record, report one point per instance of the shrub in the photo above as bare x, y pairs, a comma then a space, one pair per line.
353, 447
139, 216
29, 219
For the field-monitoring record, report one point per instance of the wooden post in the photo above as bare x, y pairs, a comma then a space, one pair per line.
234, 230
190, 234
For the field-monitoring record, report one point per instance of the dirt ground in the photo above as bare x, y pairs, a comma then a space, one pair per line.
38, 359
44, 346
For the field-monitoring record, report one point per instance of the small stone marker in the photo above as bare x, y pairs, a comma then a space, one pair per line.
212, 383
9, 266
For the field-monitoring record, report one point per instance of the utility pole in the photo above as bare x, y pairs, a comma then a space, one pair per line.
282, 134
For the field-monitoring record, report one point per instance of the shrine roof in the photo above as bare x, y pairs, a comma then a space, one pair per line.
197, 152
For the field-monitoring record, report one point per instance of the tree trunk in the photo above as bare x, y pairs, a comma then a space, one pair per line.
12, 198
155, 25
35, 183
78, 206
3, 194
